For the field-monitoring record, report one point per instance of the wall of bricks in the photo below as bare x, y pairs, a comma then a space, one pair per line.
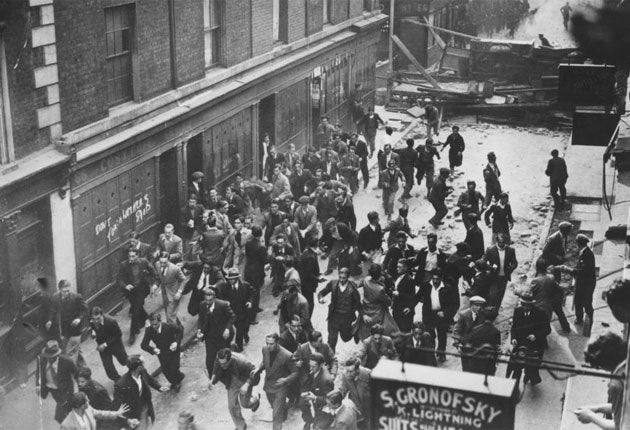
237, 43
153, 49
189, 41
296, 11
24, 102
338, 10
314, 16
262, 26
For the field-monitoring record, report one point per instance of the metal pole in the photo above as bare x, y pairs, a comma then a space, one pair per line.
390, 63
625, 407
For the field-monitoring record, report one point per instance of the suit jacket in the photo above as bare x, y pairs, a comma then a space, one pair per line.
449, 302
255, 261
439, 190
236, 206
308, 268
238, 371
492, 258
67, 373
280, 186
237, 299
196, 297
174, 247
90, 416
299, 307
493, 186
223, 223
195, 214
282, 367
465, 324
325, 205
557, 170
393, 255
271, 163
290, 342
306, 219
389, 181
126, 391
546, 293
359, 392
109, 332
370, 239
371, 123
585, 273
421, 262
169, 333
235, 251
536, 323
382, 160
270, 221
320, 385
293, 237
406, 298
554, 249
172, 281
212, 246
394, 226
146, 276
290, 159
212, 325
66, 310
97, 396
474, 239
371, 352
408, 158
501, 218
303, 354
346, 215
331, 168
144, 251
346, 417
409, 352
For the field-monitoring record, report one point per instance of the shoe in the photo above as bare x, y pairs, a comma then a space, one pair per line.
132, 338
441, 358
252, 323
328, 272
256, 404
176, 387
246, 338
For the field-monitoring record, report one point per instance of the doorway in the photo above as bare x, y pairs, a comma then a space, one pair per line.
169, 195
266, 126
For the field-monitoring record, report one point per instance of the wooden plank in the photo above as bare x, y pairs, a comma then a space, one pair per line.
437, 37
444, 30
415, 62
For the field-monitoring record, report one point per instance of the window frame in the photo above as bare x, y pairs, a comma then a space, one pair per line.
212, 29
113, 59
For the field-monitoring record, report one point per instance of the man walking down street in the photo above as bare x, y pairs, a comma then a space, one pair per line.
491, 174
363, 154
389, 183
370, 124
135, 277
314, 386
428, 259
470, 201
345, 305
566, 14
370, 242
109, 343
432, 118
437, 195
171, 243
235, 372
166, 339
408, 159
502, 259
307, 266
280, 372
585, 275
456, 145
355, 384
69, 311
474, 237
502, 219
214, 326
557, 172
239, 295
254, 274
56, 374
425, 164
172, 281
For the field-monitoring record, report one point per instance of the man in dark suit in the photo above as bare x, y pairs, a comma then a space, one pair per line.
363, 154
134, 390
236, 205
558, 175
189, 219
97, 396
345, 305
386, 155
69, 311
239, 295
171, 243
555, 248
548, 294
429, 259
307, 266
235, 372
293, 335
467, 320
440, 302
355, 384
166, 339
273, 159
530, 327
370, 242
299, 179
108, 342
585, 275
280, 372
405, 299
144, 249
483, 343
400, 223
388, 181
410, 351
197, 187
437, 195
134, 278
474, 237
345, 414
469, 202
316, 384
56, 374
370, 122
254, 273
408, 158
491, 174
202, 274
400, 250
215, 325
502, 259
315, 344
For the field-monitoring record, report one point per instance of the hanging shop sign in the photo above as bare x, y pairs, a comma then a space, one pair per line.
586, 85
429, 398
404, 8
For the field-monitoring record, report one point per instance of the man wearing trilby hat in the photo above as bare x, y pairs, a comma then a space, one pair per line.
56, 374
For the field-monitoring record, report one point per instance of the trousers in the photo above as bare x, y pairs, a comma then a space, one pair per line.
107, 357
339, 325
440, 211
170, 366
278, 402
428, 171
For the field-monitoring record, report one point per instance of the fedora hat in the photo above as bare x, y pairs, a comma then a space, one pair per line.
232, 273
51, 350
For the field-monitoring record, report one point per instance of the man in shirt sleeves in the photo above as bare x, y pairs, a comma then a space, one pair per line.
502, 259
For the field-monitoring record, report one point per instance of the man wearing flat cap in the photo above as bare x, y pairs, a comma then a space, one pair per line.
468, 318
585, 276
198, 188
56, 374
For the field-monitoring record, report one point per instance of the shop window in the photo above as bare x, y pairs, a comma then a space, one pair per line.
119, 25
212, 18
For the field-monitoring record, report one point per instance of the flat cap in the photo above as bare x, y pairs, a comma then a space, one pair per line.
582, 238
304, 199
197, 175
564, 225
477, 299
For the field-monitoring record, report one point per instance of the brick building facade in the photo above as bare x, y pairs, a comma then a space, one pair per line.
114, 103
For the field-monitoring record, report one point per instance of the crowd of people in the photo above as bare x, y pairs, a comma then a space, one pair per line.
225, 246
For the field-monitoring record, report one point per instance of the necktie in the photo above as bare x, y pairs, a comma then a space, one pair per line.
237, 237
205, 281
163, 271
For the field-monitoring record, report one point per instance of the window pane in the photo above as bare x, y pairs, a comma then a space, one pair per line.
216, 46
126, 40
206, 13
215, 13
109, 41
208, 48
118, 40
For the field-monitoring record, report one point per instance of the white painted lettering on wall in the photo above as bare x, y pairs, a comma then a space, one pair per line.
138, 210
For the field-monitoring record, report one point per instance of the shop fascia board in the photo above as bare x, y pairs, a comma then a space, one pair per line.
121, 115
209, 98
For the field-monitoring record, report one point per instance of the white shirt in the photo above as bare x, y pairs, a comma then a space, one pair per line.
211, 308
343, 287
432, 261
435, 297
501, 262
83, 422
138, 381
50, 382
203, 276
398, 280
373, 227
